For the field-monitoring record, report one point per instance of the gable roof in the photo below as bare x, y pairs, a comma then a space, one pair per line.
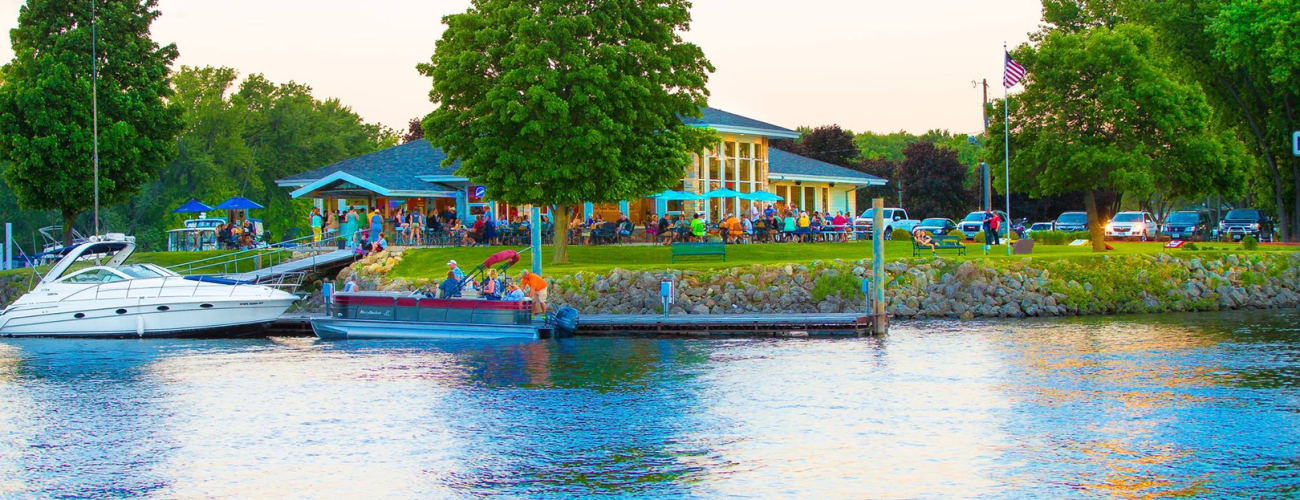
723, 121
786, 165
397, 168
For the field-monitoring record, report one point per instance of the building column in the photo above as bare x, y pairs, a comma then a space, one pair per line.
622, 208
462, 204
661, 207
587, 210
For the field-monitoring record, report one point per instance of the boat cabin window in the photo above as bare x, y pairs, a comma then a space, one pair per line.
93, 275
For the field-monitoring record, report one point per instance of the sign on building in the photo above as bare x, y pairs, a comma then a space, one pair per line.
480, 191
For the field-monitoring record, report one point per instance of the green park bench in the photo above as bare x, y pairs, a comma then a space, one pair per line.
707, 248
940, 243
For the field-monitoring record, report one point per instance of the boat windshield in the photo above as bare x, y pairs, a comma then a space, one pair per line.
93, 275
138, 271
1128, 217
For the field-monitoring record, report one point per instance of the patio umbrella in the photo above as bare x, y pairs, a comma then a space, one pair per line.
722, 193
239, 203
192, 206
761, 196
671, 195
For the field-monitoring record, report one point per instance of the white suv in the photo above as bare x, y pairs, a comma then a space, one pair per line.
1135, 225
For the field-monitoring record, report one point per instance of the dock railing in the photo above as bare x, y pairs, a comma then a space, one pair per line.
258, 258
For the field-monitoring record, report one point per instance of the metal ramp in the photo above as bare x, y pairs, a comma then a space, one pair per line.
273, 273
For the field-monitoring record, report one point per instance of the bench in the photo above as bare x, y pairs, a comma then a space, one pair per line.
940, 243
708, 248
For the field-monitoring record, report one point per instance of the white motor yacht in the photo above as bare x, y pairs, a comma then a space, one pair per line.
110, 299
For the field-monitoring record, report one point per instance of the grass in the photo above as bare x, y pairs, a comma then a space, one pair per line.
431, 262
168, 259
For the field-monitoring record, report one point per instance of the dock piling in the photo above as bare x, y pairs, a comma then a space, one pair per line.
879, 322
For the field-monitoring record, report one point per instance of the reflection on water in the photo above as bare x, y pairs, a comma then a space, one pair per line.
1166, 406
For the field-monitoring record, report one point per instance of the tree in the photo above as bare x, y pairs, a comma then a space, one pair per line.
828, 143
414, 131
1100, 110
45, 104
559, 102
934, 182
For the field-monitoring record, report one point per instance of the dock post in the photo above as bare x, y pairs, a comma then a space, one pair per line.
879, 322
9, 246
535, 228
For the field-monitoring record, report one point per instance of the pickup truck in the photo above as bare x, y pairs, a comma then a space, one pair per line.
1243, 221
895, 218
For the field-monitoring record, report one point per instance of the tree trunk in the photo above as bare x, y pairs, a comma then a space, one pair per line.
69, 217
1095, 231
561, 243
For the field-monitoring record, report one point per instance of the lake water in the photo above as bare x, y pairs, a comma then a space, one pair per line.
1193, 405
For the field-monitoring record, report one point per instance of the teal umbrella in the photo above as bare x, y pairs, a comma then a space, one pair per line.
671, 195
761, 196
722, 193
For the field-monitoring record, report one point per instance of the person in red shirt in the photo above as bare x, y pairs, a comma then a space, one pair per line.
477, 233
994, 224
841, 224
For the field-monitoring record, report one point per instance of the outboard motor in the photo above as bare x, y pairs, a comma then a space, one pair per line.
565, 321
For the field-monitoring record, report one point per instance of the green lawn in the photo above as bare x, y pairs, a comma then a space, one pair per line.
431, 262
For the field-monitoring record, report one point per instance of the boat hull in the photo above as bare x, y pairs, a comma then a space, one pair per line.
136, 317
358, 329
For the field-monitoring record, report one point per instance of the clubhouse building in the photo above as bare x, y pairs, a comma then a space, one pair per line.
412, 175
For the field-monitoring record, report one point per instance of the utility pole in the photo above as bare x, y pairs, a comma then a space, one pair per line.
94, 111
984, 116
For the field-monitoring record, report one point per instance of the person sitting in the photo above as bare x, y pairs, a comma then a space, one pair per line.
380, 245
351, 285
747, 229
804, 225
513, 293
758, 229
449, 287
491, 286
790, 224
922, 238
664, 230
731, 230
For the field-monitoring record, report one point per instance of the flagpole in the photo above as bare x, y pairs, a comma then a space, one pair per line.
1006, 149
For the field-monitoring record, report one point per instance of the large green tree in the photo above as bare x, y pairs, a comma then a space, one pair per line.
933, 181
45, 104
559, 102
1101, 110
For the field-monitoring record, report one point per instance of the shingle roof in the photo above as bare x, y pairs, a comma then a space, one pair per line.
395, 168
717, 117
787, 163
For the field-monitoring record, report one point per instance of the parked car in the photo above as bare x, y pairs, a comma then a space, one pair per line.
974, 223
1072, 222
1187, 225
1243, 221
1135, 225
1040, 227
936, 226
895, 218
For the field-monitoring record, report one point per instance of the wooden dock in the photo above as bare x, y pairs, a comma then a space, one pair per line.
701, 325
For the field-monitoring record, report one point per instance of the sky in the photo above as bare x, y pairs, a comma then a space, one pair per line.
877, 65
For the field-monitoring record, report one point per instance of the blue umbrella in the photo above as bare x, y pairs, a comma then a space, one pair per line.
761, 196
239, 203
671, 195
722, 193
192, 206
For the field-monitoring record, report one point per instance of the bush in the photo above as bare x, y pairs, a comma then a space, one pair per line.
900, 235
978, 238
1191, 245
1250, 243
956, 233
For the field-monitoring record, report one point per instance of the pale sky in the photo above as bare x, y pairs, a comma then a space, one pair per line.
880, 65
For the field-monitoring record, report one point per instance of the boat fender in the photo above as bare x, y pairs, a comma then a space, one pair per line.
566, 321
139, 326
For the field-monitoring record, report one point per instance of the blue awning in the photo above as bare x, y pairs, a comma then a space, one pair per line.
192, 206
239, 203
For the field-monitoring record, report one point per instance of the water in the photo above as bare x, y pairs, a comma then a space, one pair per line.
1195, 405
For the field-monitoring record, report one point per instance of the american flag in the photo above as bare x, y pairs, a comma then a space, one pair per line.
1013, 73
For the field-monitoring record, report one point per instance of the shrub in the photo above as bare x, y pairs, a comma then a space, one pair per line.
956, 233
1191, 245
978, 238
1250, 243
900, 235
1051, 237
1078, 235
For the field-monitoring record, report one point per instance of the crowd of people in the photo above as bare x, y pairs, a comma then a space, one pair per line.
495, 286
367, 229
766, 225
237, 235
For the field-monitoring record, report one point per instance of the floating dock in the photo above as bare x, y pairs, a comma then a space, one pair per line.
701, 325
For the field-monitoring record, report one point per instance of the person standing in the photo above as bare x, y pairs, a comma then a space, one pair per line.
376, 224
316, 224
536, 287
995, 226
